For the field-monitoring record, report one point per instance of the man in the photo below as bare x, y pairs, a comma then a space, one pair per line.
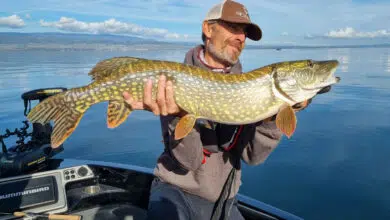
199, 176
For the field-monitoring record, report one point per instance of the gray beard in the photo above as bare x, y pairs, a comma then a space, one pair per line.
220, 56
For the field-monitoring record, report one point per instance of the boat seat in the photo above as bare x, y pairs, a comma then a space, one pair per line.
113, 212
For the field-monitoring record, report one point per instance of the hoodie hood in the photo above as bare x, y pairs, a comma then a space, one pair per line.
195, 56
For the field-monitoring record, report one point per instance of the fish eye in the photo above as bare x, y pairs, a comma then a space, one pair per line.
310, 63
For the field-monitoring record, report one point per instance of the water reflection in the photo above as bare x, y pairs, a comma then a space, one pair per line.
339, 148
342, 55
344, 60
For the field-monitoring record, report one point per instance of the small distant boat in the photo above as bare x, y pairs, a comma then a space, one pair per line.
35, 184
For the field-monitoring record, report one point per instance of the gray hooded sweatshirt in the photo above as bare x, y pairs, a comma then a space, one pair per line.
201, 162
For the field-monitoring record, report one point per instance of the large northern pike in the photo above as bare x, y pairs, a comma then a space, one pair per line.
225, 98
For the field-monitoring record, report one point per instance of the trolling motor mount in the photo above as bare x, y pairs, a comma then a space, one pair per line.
32, 155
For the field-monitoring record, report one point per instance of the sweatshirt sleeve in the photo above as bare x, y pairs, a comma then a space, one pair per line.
260, 140
187, 151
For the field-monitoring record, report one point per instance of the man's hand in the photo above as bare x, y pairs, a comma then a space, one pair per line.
164, 104
297, 107
302, 105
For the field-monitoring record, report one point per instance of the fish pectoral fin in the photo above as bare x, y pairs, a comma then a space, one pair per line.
117, 113
184, 126
286, 121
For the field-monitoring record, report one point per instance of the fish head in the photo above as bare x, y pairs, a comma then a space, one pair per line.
298, 81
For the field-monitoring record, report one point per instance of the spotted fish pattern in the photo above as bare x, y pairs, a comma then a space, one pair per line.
224, 98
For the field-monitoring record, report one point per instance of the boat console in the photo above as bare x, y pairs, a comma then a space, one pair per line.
31, 181
41, 192
88, 191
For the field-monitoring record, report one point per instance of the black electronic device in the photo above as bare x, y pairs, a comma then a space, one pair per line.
28, 155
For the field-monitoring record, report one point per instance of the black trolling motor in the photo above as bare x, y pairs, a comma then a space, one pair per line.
29, 155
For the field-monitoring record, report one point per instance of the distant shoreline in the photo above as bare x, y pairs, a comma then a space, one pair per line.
153, 46
89, 47
10, 41
319, 47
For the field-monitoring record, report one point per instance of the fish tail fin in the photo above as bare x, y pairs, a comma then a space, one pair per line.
66, 116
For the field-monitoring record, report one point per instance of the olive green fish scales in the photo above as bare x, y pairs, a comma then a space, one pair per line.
228, 101
225, 98
111, 78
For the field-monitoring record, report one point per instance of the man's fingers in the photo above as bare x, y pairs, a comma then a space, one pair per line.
171, 104
161, 95
302, 105
127, 97
148, 92
164, 103
148, 101
324, 90
130, 100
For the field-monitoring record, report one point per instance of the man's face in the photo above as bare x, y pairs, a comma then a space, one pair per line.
227, 40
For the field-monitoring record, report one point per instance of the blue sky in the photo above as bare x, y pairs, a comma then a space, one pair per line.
289, 22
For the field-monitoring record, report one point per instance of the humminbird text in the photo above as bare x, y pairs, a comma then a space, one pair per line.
26, 192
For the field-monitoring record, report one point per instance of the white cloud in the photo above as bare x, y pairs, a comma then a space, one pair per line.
294, 17
350, 32
110, 26
309, 36
174, 36
12, 21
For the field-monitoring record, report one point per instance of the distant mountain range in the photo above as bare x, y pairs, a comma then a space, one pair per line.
62, 38
64, 41
72, 41
316, 47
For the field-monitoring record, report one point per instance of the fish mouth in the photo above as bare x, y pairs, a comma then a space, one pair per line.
329, 81
332, 79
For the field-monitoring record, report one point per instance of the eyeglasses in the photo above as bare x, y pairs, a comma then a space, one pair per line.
232, 27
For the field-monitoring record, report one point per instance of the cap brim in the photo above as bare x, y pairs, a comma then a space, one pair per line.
254, 32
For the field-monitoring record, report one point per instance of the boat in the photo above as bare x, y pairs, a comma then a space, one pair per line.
36, 185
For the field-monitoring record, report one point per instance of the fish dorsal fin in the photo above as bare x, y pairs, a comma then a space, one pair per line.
105, 67
261, 71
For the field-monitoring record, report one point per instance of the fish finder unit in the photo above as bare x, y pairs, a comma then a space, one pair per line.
42, 192
32, 155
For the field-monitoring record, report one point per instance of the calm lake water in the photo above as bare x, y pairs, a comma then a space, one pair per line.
336, 166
